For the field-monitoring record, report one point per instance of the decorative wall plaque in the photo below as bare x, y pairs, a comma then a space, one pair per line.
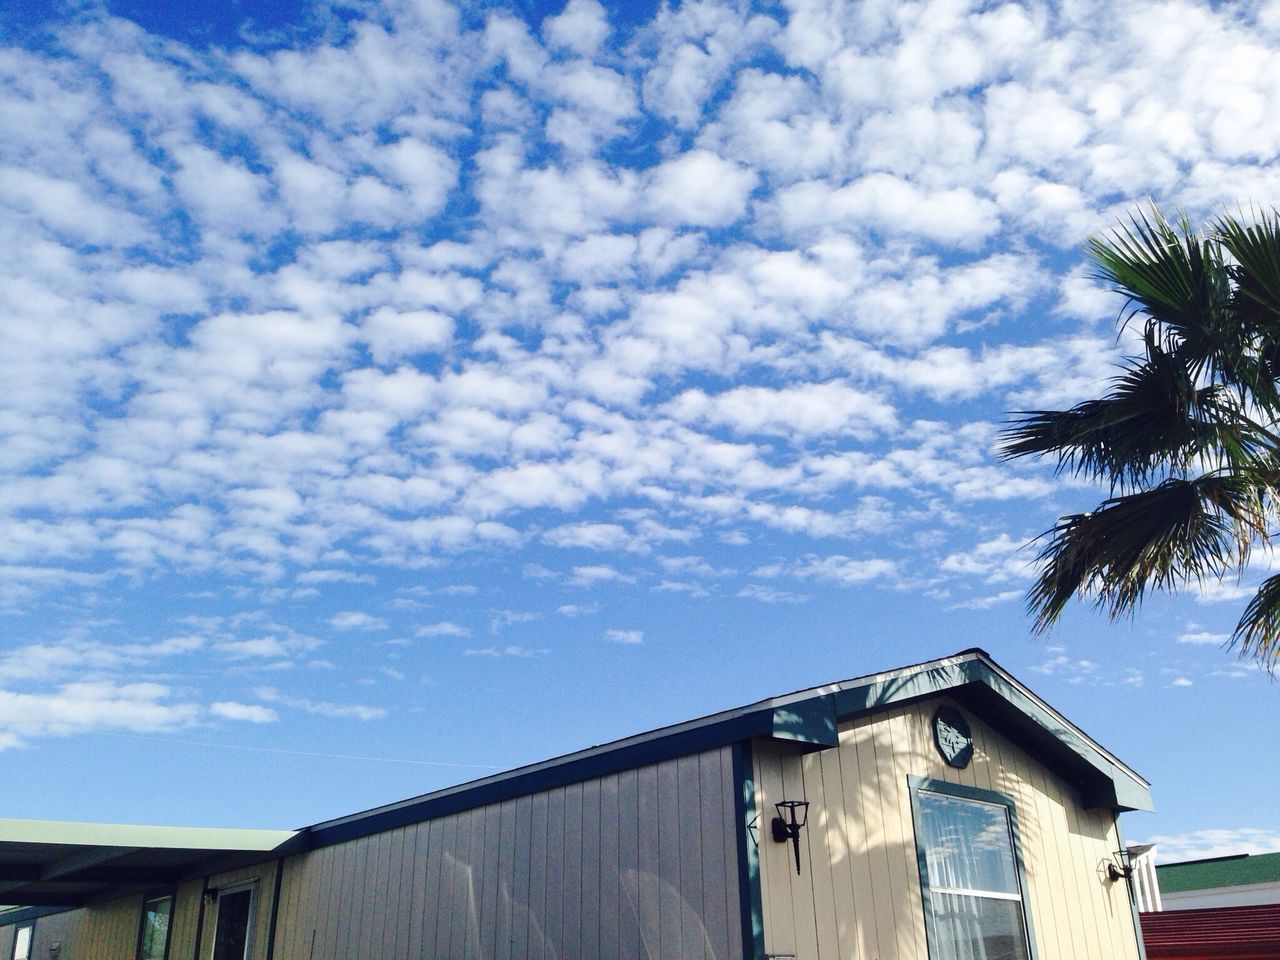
952, 735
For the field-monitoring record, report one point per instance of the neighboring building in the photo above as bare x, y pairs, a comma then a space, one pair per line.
1219, 933
942, 811
1240, 881
1222, 907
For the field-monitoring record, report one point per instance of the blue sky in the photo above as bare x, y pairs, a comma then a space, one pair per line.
394, 394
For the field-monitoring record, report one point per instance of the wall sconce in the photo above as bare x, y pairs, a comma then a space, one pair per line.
786, 825
1121, 870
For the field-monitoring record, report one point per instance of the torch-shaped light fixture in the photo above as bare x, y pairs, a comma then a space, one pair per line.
1121, 870
786, 825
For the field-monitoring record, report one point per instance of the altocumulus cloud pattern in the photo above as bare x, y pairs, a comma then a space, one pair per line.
597, 302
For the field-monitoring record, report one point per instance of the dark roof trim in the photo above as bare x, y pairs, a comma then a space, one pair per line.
807, 720
808, 726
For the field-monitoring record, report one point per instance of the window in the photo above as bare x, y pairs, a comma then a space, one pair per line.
970, 873
22, 941
153, 934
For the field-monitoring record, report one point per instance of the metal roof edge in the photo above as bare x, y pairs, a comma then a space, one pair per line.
213, 839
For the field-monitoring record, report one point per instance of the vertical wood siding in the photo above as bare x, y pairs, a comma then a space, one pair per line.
858, 896
640, 864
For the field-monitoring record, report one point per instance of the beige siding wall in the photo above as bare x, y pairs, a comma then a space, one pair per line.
858, 896
182, 943
640, 864
58, 929
107, 931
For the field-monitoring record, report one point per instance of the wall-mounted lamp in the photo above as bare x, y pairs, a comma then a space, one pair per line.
211, 895
787, 824
1119, 868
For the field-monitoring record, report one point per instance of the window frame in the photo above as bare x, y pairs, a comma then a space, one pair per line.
171, 896
963, 792
31, 940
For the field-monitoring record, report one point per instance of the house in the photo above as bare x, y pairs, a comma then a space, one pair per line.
935, 811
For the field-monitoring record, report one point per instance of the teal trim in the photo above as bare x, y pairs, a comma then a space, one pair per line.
928, 681
1133, 902
750, 899
916, 784
811, 722
986, 690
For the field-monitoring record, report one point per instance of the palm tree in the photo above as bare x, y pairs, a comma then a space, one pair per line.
1187, 436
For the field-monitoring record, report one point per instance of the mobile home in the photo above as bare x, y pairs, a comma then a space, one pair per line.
940, 810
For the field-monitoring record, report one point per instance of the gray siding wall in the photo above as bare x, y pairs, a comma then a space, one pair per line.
639, 864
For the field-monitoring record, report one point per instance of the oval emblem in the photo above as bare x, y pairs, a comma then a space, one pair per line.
952, 735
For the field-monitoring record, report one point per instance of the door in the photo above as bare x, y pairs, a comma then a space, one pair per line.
233, 932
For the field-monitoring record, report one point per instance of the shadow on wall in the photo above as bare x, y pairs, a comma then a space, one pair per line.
649, 898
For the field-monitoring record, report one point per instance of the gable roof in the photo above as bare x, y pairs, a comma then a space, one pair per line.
1214, 872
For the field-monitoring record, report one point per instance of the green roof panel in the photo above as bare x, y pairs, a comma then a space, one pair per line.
1218, 872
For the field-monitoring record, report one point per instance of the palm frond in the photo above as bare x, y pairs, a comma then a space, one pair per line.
1258, 633
1174, 277
1154, 421
1256, 272
1178, 532
1256, 299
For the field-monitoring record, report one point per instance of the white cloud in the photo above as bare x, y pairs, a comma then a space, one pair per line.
423, 298
701, 189
998, 560
767, 594
835, 568
247, 712
1194, 636
625, 637
322, 708
445, 628
593, 536
510, 650
810, 410
1214, 842
593, 574
578, 609
580, 27
88, 706
357, 620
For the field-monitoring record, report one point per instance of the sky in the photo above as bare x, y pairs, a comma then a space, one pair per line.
395, 393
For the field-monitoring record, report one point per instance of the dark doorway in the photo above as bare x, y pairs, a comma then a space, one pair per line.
235, 917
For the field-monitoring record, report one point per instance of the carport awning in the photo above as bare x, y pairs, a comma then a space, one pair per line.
52, 863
